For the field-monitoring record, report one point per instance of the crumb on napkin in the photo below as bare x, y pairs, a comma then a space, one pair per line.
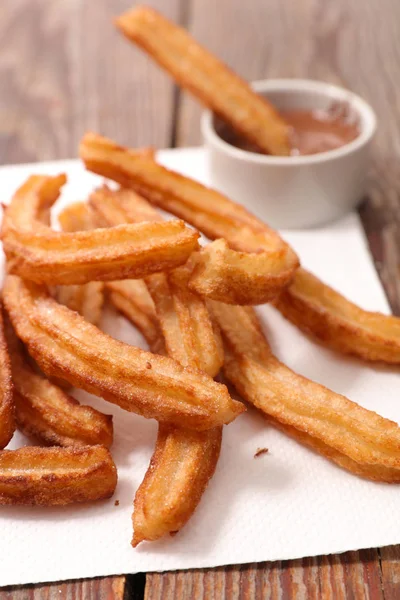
260, 452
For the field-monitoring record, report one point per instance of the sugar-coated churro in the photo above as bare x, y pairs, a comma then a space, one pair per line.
207, 78
251, 266
36, 252
47, 412
56, 476
356, 438
189, 333
7, 405
332, 320
183, 461
66, 346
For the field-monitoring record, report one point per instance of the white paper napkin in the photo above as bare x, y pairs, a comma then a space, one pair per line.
285, 504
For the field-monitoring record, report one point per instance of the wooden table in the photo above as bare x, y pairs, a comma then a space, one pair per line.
64, 70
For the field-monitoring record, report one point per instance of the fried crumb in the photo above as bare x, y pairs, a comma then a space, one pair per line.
260, 452
116, 503
148, 365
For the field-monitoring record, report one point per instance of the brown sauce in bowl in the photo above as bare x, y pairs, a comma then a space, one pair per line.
310, 131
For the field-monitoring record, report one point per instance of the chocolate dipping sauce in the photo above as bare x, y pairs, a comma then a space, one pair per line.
311, 131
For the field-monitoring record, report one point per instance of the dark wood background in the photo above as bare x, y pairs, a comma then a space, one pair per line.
64, 69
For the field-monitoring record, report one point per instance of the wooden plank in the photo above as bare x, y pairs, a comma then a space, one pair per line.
100, 588
390, 563
65, 69
353, 575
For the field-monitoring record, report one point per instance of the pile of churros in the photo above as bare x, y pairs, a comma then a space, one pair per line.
193, 305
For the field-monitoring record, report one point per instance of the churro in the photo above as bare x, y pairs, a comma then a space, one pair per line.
45, 411
183, 461
251, 266
332, 320
7, 406
66, 346
357, 439
207, 78
37, 253
56, 476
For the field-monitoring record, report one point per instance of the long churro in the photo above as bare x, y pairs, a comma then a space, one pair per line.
36, 252
7, 405
251, 266
45, 411
306, 301
207, 78
356, 438
66, 346
189, 333
183, 461
329, 318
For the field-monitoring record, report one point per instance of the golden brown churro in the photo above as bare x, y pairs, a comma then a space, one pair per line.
66, 346
56, 476
45, 411
251, 266
129, 296
76, 217
182, 464
207, 78
183, 461
36, 252
86, 299
356, 438
329, 318
7, 406
189, 334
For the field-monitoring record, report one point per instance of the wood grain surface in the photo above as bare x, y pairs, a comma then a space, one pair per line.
354, 574
99, 588
64, 69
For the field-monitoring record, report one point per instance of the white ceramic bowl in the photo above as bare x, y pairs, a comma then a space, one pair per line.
295, 191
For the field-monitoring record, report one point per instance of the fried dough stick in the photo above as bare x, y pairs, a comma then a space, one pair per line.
357, 439
37, 253
183, 461
66, 346
189, 334
86, 299
129, 296
182, 464
47, 412
7, 405
250, 266
330, 319
209, 80
56, 476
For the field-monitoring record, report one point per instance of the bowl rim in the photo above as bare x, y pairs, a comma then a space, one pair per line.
367, 114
